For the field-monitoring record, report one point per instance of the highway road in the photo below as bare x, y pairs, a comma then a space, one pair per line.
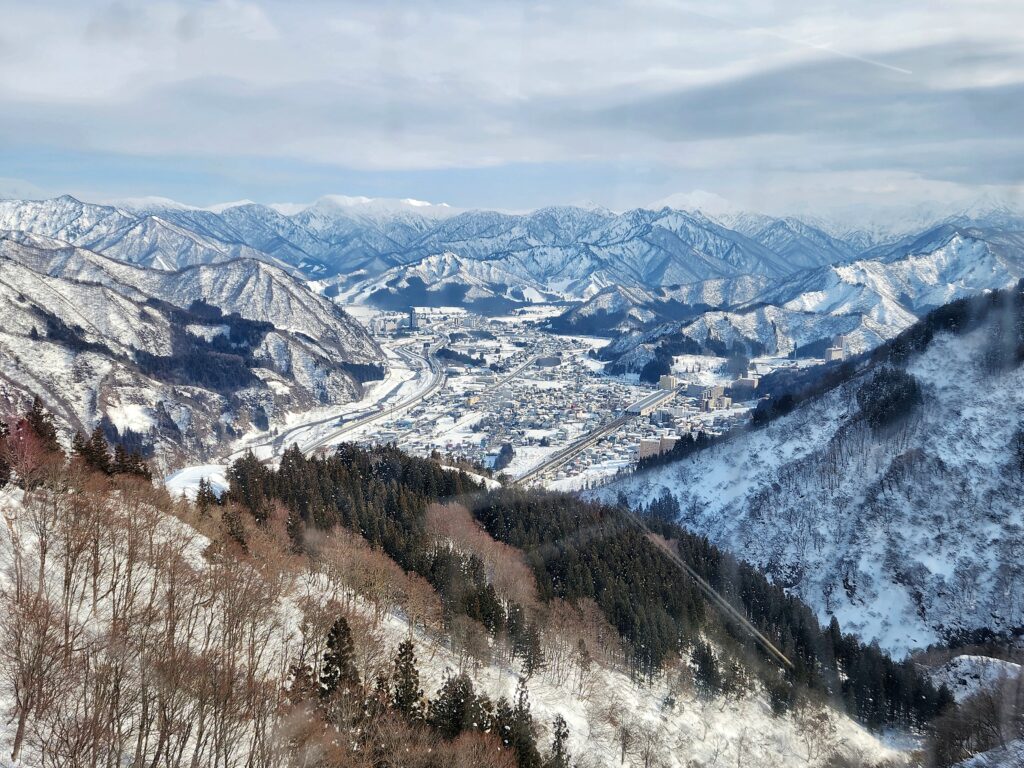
437, 381
574, 449
284, 439
511, 375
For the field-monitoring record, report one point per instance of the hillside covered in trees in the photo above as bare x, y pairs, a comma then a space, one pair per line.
887, 494
374, 605
576, 551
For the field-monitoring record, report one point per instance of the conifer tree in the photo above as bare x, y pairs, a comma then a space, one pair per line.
452, 709
706, 675
41, 423
338, 670
97, 452
233, 526
205, 497
559, 757
79, 445
293, 527
583, 660
248, 480
528, 648
302, 685
515, 728
5, 465
406, 694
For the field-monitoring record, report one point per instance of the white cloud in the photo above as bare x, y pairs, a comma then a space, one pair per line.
725, 97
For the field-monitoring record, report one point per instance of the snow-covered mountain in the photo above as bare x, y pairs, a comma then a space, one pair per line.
867, 300
366, 244
185, 360
800, 243
160, 235
617, 309
909, 534
773, 283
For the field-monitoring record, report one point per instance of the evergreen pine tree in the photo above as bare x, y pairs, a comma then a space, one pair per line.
41, 423
233, 526
302, 685
519, 730
706, 675
79, 445
451, 711
97, 453
5, 465
293, 526
338, 670
406, 694
249, 480
559, 757
583, 660
528, 648
205, 497
130, 464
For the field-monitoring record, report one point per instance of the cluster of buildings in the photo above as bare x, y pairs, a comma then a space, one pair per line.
412, 320
557, 399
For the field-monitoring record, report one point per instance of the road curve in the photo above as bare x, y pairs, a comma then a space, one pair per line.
438, 381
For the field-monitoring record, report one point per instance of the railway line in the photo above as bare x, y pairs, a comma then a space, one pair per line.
575, 449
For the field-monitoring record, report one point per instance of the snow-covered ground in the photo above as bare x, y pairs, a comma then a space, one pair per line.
1010, 756
903, 537
665, 721
185, 482
967, 674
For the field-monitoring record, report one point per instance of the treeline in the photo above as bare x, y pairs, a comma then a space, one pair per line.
686, 445
873, 688
123, 645
331, 694
70, 336
580, 549
28, 444
382, 494
223, 362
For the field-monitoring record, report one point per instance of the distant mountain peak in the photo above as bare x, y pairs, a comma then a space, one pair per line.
709, 203
368, 206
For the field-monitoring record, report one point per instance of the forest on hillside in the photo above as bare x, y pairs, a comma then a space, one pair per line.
550, 585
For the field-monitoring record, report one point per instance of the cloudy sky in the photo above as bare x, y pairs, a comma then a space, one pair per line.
774, 106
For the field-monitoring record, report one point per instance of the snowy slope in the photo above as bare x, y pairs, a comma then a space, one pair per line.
75, 327
967, 674
867, 300
666, 723
254, 289
907, 538
618, 308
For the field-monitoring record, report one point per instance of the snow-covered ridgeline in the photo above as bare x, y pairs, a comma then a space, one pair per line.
906, 537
